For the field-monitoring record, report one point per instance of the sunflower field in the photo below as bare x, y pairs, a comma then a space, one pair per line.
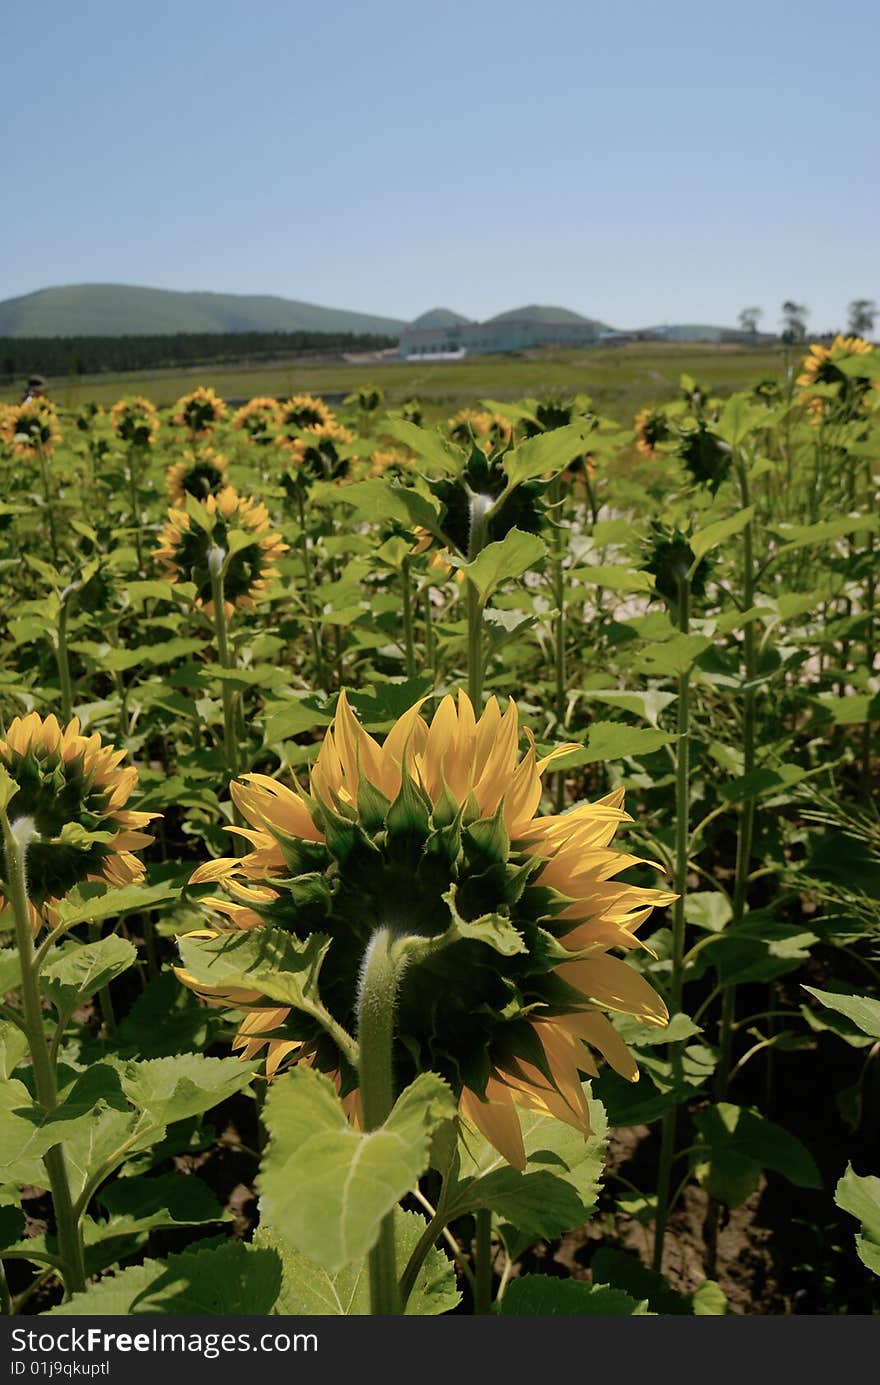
439, 857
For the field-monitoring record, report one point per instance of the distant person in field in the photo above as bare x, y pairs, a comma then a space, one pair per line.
35, 389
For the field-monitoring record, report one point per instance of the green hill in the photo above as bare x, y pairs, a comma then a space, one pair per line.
108, 310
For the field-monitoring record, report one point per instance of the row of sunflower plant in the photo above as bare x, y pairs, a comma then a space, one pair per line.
344, 903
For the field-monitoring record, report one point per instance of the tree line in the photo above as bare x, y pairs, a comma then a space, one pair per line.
861, 315
23, 356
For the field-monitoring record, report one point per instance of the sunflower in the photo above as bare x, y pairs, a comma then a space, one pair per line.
389, 461
198, 474
135, 420
31, 428
821, 366
651, 427
321, 453
305, 411
191, 533
199, 412
488, 430
75, 790
258, 418
436, 835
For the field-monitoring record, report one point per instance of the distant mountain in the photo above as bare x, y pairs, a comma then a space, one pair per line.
439, 317
110, 310
550, 316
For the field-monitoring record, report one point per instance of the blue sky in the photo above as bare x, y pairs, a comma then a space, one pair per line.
640, 162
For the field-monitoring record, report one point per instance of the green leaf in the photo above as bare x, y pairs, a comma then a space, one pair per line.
265, 959
21, 1143
648, 704
861, 1009
324, 1186
292, 717
794, 536
739, 417
615, 740
615, 578
441, 455
860, 1197
708, 909
10, 970
672, 657
204, 1281
168, 1199
170, 1089
545, 1296
557, 1189
308, 1288
77, 970
13, 1047
704, 540
546, 454
499, 562
761, 782
738, 1144
94, 902
8, 788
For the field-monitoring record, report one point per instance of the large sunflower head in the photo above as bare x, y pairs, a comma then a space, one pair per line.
200, 411
31, 428
192, 533
135, 420
199, 474
74, 788
320, 453
259, 419
436, 834
304, 411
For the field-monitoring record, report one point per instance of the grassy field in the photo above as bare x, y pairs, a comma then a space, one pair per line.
620, 380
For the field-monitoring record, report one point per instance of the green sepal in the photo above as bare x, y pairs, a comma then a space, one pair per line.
488, 837
372, 804
410, 813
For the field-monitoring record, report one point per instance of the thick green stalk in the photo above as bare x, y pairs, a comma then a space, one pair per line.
134, 451
558, 576
63, 659
479, 508
739, 901
408, 637
50, 509
216, 561
376, 1009
309, 590
676, 989
747, 811
475, 647
16, 839
483, 1265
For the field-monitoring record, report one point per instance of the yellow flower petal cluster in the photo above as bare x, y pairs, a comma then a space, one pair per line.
190, 534
258, 418
199, 411
467, 769
31, 428
75, 789
199, 474
135, 420
487, 429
